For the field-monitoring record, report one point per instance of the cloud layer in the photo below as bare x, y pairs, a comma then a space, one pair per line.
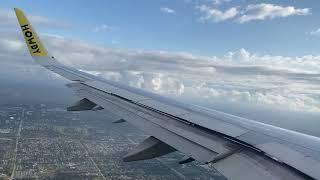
238, 76
251, 12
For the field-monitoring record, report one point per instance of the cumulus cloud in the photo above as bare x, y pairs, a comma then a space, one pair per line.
167, 10
252, 12
238, 76
270, 11
156, 82
216, 15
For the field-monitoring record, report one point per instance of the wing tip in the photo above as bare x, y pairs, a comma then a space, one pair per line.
32, 40
18, 11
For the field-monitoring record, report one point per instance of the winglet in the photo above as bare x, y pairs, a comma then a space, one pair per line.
32, 40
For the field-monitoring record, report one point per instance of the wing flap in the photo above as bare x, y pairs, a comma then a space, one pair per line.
248, 164
299, 157
293, 157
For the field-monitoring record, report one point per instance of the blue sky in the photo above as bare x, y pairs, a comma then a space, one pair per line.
148, 25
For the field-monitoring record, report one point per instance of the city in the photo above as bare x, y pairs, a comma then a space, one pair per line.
47, 142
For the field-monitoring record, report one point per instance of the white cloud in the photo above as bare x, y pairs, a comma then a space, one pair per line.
212, 2
167, 10
270, 11
215, 15
11, 45
276, 97
240, 55
103, 28
218, 2
315, 32
156, 82
251, 13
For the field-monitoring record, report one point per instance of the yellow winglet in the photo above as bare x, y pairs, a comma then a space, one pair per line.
33, 42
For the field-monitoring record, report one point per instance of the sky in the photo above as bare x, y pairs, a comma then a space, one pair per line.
205, 27
249, 58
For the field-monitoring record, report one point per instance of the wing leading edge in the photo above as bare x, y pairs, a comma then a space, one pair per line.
239, 148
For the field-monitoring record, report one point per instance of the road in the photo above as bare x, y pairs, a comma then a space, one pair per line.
17, 144
91, 159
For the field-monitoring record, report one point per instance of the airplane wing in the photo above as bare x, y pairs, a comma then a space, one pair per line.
239, 148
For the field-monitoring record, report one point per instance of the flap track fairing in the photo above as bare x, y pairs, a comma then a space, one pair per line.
148, 149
